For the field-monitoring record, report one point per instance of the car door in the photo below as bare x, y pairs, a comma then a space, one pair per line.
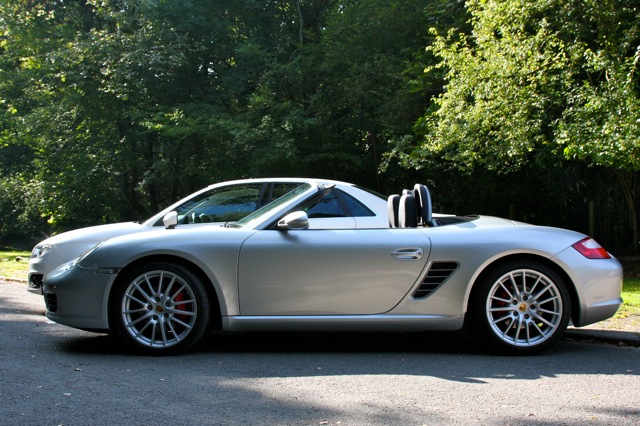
329, 272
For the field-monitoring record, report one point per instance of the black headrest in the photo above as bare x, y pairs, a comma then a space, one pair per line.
393, 204
408, 212
423, 204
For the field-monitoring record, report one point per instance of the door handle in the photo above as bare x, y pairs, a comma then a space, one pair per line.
408, 254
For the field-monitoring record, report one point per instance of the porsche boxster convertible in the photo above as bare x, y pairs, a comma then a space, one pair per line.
517, 286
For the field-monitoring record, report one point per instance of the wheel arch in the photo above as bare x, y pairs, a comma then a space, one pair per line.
571, 288
215, 321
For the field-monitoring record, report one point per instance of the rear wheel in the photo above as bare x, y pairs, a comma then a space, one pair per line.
522, 308
160, 308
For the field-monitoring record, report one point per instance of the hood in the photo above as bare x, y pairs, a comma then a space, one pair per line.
96, 233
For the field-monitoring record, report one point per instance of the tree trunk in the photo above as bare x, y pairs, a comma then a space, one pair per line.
628, 184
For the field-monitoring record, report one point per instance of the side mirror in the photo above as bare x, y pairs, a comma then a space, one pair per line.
170, 220
294, 221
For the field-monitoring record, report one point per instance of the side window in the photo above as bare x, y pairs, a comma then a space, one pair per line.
338, 204
329, 206
355, 206
225, 204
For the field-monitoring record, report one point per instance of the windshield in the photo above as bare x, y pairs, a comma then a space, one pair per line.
270, 207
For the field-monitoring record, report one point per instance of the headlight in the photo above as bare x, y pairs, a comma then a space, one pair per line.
86, 254
40, 250
60, 269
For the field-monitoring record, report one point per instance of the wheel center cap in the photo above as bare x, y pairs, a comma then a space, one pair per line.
159, 309
523, 307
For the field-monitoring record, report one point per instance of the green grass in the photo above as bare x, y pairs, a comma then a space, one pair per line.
12, 268
631, 297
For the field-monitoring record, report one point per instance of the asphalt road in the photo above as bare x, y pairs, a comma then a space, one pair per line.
54, 375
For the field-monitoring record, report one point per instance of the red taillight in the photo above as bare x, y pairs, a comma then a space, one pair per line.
589, 248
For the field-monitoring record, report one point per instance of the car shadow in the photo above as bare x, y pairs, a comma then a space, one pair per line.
290, 342
335, 342
446, 355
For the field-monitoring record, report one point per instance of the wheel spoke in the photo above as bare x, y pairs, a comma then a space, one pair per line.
550, 299
518, 328
134, 311
177, 293
502, 309
545, 290
544, 320
546, 311
135, 299
149, 285
504, 318
163, 334
154, 332
182, 323
142, 318
174, 312
540, 331
170, 285
511, 296
141, 291
173, 331
533, 287
514, 284
500, 299
140, 331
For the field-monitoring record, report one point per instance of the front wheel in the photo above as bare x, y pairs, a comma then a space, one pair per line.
522, 308
160, 308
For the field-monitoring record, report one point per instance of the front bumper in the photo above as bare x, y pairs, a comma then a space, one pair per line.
78, 297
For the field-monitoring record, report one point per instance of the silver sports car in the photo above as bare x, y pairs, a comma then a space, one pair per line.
517, 285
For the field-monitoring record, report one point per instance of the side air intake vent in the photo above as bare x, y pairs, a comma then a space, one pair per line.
438, 273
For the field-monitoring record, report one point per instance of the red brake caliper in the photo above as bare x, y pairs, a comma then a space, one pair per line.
181, 307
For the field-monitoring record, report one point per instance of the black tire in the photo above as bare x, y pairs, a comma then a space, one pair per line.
160, 308
521, 308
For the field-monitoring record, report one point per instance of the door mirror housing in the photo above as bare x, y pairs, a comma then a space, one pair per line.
170, 220
294, 221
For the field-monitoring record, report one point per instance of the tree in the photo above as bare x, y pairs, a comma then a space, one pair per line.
115, 109
122, 105
330, 101
601, 123
537, 82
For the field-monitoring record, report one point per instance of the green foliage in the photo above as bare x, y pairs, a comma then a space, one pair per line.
503, 80
600, 122
115, 109
536, 82
112, 110
535, 79
20, 207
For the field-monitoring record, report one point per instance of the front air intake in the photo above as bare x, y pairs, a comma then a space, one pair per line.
51, 302
438, 273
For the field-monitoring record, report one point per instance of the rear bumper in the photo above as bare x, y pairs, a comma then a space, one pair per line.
598, 286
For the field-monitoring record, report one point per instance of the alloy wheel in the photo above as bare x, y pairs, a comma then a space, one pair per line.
524, 308
159, 309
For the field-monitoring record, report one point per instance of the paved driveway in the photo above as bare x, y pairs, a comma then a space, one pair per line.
53, 375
